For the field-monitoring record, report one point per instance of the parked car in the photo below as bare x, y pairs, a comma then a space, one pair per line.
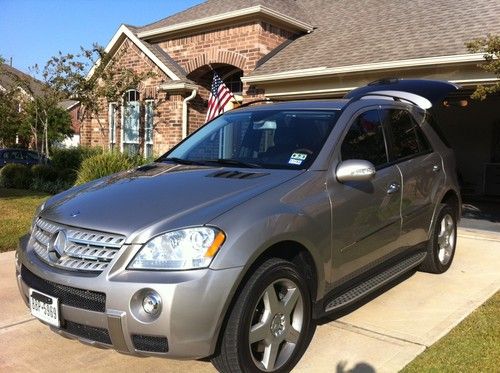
266, 219
21, 156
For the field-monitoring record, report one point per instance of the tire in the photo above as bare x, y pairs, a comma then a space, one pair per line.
441, 248
280, 334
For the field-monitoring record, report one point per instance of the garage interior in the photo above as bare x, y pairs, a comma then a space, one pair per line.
472, 128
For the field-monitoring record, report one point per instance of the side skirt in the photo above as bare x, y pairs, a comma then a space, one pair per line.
354, 290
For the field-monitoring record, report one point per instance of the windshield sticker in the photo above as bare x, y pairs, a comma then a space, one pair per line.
297, 158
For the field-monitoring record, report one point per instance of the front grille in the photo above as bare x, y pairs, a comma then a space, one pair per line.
80, 298
84, 250
149, 343
88, 332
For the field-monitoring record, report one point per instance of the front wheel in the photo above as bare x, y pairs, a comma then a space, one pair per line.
270, 324
441, 249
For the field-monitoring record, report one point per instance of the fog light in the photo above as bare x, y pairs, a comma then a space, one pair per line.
152, 303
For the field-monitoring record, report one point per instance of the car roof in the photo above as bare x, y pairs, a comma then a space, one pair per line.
331, 104
17, 149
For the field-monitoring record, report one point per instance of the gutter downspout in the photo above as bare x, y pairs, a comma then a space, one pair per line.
185, 112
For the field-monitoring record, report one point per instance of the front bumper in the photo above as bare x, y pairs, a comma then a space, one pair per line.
102, 310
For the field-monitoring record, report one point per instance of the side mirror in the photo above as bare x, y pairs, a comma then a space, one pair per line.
355, 170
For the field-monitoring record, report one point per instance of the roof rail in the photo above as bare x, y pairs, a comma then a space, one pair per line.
400, 96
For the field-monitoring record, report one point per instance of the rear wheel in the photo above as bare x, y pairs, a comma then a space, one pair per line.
441, 249
269, 326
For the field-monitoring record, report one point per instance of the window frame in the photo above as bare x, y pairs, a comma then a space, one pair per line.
146, 127
122, 122
353, 119
391, 141
112, 111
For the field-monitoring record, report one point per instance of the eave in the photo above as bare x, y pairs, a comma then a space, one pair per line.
251, 12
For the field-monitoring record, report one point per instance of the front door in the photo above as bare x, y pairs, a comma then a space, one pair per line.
366, 219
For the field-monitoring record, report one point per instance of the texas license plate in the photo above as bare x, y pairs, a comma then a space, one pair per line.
44, 307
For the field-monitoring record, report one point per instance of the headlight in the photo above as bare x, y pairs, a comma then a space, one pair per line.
188, 248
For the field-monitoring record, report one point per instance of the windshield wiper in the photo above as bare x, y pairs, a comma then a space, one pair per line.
234, 162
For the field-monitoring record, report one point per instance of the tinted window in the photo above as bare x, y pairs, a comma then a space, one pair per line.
31, 156
16, 154
407, 137
6, 155
432, 122
365, 140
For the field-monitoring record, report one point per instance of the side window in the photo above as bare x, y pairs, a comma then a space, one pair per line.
407, 137
31, 156
365, 140
6, 155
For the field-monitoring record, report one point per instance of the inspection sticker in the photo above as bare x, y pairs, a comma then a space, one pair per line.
297, 158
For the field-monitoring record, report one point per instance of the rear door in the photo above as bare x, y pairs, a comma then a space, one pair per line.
366, 218
421, 169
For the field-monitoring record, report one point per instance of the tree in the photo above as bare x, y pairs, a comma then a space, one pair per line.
30, 112
490, 46
91, 77
11, 119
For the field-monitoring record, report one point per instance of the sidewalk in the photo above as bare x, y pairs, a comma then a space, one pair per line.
382, 335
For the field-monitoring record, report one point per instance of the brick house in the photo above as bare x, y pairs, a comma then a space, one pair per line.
294, 49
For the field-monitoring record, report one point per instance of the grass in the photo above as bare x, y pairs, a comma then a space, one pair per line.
17, 207
472, 346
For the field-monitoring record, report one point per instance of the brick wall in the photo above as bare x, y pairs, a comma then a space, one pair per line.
241, 45
167, 114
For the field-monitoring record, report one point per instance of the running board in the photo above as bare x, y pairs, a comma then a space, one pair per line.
375, 282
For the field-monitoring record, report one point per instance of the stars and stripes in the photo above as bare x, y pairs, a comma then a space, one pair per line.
220, 95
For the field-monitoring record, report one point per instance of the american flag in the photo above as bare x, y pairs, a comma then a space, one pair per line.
220, 95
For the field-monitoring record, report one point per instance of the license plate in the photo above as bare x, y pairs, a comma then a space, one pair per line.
45, 307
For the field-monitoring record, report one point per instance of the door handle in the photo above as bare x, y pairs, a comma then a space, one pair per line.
393, 188
436, 168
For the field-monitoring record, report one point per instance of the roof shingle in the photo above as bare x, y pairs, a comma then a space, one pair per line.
352, 32
209, 8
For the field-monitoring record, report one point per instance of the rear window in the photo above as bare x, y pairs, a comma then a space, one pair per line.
434, 125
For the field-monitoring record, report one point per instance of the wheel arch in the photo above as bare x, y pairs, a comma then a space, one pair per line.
290, 250
450, 197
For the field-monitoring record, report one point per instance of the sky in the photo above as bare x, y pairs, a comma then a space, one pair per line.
32, 31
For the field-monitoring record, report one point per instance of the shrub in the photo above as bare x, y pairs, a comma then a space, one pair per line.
72, 158
15, 176
105, 164
44, 172
51, 187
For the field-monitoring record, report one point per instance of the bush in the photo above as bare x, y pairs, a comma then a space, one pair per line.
49, 180
51, 187
72, 158
44, 172
106, 164
15, 176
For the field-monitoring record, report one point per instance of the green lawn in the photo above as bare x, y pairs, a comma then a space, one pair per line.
17, 207
472, 346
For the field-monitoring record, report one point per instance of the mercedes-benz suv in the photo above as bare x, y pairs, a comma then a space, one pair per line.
234, 242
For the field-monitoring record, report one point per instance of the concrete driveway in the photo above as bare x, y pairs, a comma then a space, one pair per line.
382, 335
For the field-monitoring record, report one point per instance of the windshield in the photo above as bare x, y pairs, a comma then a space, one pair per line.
287, 139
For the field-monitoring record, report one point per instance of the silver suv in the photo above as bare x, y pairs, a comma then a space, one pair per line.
266, 219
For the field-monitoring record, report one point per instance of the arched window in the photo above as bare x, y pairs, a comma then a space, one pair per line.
130, 127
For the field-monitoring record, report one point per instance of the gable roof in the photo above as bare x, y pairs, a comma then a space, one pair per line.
160, 58
12, 78
212, 11
352, 33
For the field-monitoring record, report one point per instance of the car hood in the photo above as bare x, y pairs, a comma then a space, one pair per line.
152, 199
